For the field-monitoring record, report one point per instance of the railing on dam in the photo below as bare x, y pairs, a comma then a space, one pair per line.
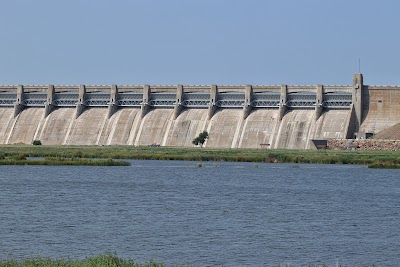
130, 99
266, 100
263, 97
97, 99
301, 100
337, 100
163, 99
196, 100
231, 100
8, 99
34, 99
66, 99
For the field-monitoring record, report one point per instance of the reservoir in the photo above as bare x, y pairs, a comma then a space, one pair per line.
203, 214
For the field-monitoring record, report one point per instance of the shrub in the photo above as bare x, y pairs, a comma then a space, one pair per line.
36, 142
20, 156
199, 140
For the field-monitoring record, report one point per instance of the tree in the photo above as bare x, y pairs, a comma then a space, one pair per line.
36, 142
199, 140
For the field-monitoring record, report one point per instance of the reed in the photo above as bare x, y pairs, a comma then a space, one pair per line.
384, 166
64, 162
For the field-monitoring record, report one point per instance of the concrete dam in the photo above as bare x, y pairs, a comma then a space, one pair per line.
249, 116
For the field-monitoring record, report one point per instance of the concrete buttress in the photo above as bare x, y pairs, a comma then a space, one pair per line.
213, 101
247, 102
318, 105
80, 106
112, 106
18, 106
283, 100
146, 99
49, 106
178, 105
358, 85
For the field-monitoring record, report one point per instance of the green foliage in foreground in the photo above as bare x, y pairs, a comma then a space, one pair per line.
36, 142
205, 154
98, 261
325, 265
384, 166
57, 161
106, 261
201, 139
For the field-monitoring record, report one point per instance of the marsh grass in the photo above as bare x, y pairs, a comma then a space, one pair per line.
384, 166
97, 261
110, 260
324, 265
59, 161
205, 154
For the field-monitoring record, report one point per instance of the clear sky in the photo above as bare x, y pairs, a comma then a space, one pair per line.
199, 41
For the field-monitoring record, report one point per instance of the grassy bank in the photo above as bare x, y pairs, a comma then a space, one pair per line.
64, 162
21, 159
98, 261
386, 158
106, 261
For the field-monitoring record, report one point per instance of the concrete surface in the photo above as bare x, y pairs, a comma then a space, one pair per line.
373, 110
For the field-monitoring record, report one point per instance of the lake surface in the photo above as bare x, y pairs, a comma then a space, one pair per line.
236, 214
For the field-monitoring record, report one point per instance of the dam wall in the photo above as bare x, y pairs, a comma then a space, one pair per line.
246, 116
381, 108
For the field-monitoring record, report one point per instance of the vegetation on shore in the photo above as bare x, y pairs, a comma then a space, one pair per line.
106, 261
81, 154
21, 159
201, 139
97, 261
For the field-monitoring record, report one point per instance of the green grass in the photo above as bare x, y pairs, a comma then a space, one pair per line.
106, 261
390, 158
384, 166
20, 159
98, 261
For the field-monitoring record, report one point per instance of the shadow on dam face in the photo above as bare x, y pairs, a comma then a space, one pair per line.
227, 128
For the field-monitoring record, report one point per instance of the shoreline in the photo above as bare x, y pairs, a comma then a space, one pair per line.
377, 159
110, 260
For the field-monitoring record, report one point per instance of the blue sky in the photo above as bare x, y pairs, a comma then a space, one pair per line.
199, 42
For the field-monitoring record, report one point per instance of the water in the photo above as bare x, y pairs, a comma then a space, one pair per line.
236, 214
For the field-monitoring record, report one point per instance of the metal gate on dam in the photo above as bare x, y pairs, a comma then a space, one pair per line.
246, 116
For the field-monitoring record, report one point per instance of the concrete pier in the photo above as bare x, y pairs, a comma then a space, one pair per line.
282, 102
357, 98
49, 106
18, 106
179, 98
80, 106
318, 105
213, 99
112, 106
146, 98
247, 102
